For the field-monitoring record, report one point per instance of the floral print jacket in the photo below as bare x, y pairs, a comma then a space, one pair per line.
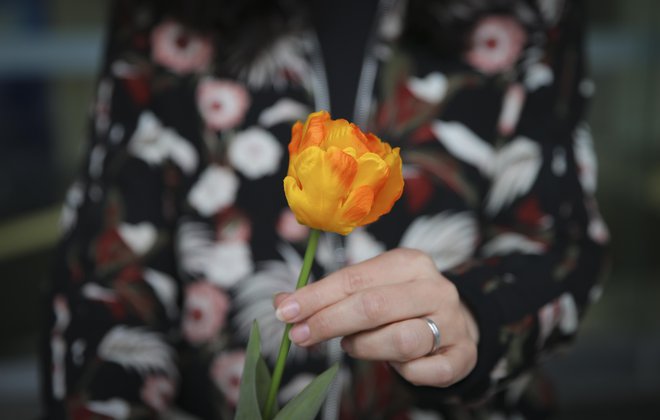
177, 234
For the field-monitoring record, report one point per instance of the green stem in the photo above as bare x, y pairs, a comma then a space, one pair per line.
285, 344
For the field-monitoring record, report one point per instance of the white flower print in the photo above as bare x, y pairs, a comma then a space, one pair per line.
495, 44
285, 110
204, 312
465, 145
154, 143
255, 153
222, 103
114, 408
431, 89
361, 246
157, 392
228, 262
226, 372
509, 243
450, 239
138, 237
222, 263
179, 49
138, 349
538, 75
214, 190
516, 167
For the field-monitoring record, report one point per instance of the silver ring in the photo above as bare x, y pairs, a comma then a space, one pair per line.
436, 335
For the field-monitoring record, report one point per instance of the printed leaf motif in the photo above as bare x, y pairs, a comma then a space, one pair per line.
509, 243
285, 110
138, 349
254, 299
449, 239
461, 142
516, 168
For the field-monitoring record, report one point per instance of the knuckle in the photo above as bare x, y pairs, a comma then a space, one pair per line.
353, 281
320, 326
373, 305
444, 375
450, 292
406, 343
423, 262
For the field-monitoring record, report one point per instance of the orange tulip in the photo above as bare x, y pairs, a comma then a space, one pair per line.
340, 178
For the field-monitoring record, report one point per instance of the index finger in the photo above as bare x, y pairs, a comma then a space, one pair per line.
398, 266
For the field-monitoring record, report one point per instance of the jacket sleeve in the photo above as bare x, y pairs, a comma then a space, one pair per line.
542, 241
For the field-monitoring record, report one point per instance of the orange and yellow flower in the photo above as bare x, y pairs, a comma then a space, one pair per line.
340, 178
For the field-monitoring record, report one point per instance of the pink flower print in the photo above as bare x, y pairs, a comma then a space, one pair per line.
204, 312
226, 372
222, 103
179, 49
495, 44
289, 228
157, 392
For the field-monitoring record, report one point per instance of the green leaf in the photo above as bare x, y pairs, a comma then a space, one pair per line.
306, 405
263, 380
249, 407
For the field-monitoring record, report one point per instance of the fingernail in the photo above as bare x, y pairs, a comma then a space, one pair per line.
299, 333
287, 310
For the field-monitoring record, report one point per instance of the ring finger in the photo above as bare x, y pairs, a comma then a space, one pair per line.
397, 342
367, 310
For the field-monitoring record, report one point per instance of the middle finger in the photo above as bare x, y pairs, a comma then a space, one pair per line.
366, 310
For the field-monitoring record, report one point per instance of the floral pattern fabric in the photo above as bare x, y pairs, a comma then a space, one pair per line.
177, 234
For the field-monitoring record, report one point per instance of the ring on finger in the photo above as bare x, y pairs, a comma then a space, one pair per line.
436, 335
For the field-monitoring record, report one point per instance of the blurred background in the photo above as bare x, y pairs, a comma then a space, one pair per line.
49, 55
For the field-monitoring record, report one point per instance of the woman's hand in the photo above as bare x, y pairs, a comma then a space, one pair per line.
379, 307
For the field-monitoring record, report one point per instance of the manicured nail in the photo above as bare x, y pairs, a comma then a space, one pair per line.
287, 310
299, 333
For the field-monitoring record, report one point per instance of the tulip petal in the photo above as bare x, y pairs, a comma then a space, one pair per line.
372, 171
296, 138
314, 131
357, 206
391, 191
324, 180
342, 134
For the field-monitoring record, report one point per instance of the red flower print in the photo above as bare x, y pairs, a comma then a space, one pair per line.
179, 49
495, 44
157, 392
222, 103
226, 372
204, 312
